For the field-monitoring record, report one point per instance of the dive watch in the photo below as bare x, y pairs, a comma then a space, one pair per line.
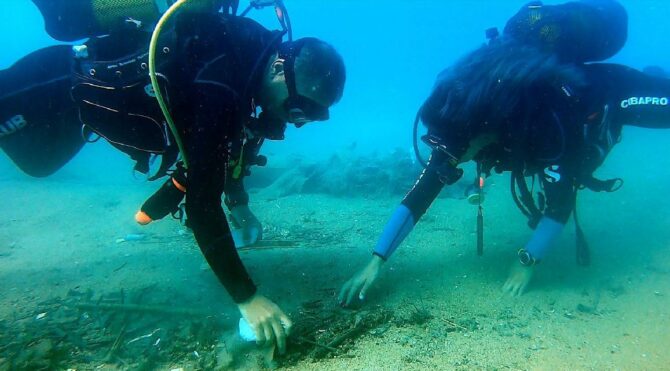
526, 259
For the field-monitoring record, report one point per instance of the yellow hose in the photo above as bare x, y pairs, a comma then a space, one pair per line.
154, 80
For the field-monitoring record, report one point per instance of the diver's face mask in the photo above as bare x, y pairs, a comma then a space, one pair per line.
300, 109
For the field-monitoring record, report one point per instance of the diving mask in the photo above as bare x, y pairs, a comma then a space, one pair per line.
299, 108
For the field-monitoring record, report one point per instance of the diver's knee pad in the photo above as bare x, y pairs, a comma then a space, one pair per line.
581, 31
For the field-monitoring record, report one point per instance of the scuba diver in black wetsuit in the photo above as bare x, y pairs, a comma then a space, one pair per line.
213, 69
528, 103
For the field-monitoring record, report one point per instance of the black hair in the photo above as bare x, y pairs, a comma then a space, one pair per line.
321, 65
490, 88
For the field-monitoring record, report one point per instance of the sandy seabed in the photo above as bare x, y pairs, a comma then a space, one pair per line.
58, 236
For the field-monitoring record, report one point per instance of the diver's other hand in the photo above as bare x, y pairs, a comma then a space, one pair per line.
519, 278
359, 284
268, 321
250, 229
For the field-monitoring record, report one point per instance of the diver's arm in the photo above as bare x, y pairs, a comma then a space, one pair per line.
412, 207
560, 195
637, 99
213, 235
546, 232
206, 174
560, 204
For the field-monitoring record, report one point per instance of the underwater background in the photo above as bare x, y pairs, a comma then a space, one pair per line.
436, 306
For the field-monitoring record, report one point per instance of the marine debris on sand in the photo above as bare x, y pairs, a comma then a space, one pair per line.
134, 330
121, 330
326, 330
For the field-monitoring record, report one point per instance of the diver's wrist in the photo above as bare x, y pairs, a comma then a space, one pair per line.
376, 260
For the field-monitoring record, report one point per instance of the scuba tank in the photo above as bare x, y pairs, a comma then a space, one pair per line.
576, 32
68, 20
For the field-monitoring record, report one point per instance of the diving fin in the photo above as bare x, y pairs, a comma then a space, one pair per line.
40, 129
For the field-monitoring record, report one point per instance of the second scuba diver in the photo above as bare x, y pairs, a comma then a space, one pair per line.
528, 104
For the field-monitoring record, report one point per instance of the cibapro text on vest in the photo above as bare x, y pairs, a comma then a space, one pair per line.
643, 101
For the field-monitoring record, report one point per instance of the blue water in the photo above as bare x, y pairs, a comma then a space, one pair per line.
393, 51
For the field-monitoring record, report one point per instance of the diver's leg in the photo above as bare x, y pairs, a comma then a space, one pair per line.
39, 125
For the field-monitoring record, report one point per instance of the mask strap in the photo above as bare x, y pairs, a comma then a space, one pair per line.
280, 12
284, 20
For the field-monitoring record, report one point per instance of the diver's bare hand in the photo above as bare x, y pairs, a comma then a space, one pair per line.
518, 280
267, 320
359, 284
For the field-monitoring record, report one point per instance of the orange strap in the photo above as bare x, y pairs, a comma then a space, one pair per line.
178, 185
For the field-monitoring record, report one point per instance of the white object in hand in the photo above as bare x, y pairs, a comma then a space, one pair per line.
245, 331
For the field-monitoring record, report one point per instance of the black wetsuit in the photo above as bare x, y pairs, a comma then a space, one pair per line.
223, 62
211, 68
567, 134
